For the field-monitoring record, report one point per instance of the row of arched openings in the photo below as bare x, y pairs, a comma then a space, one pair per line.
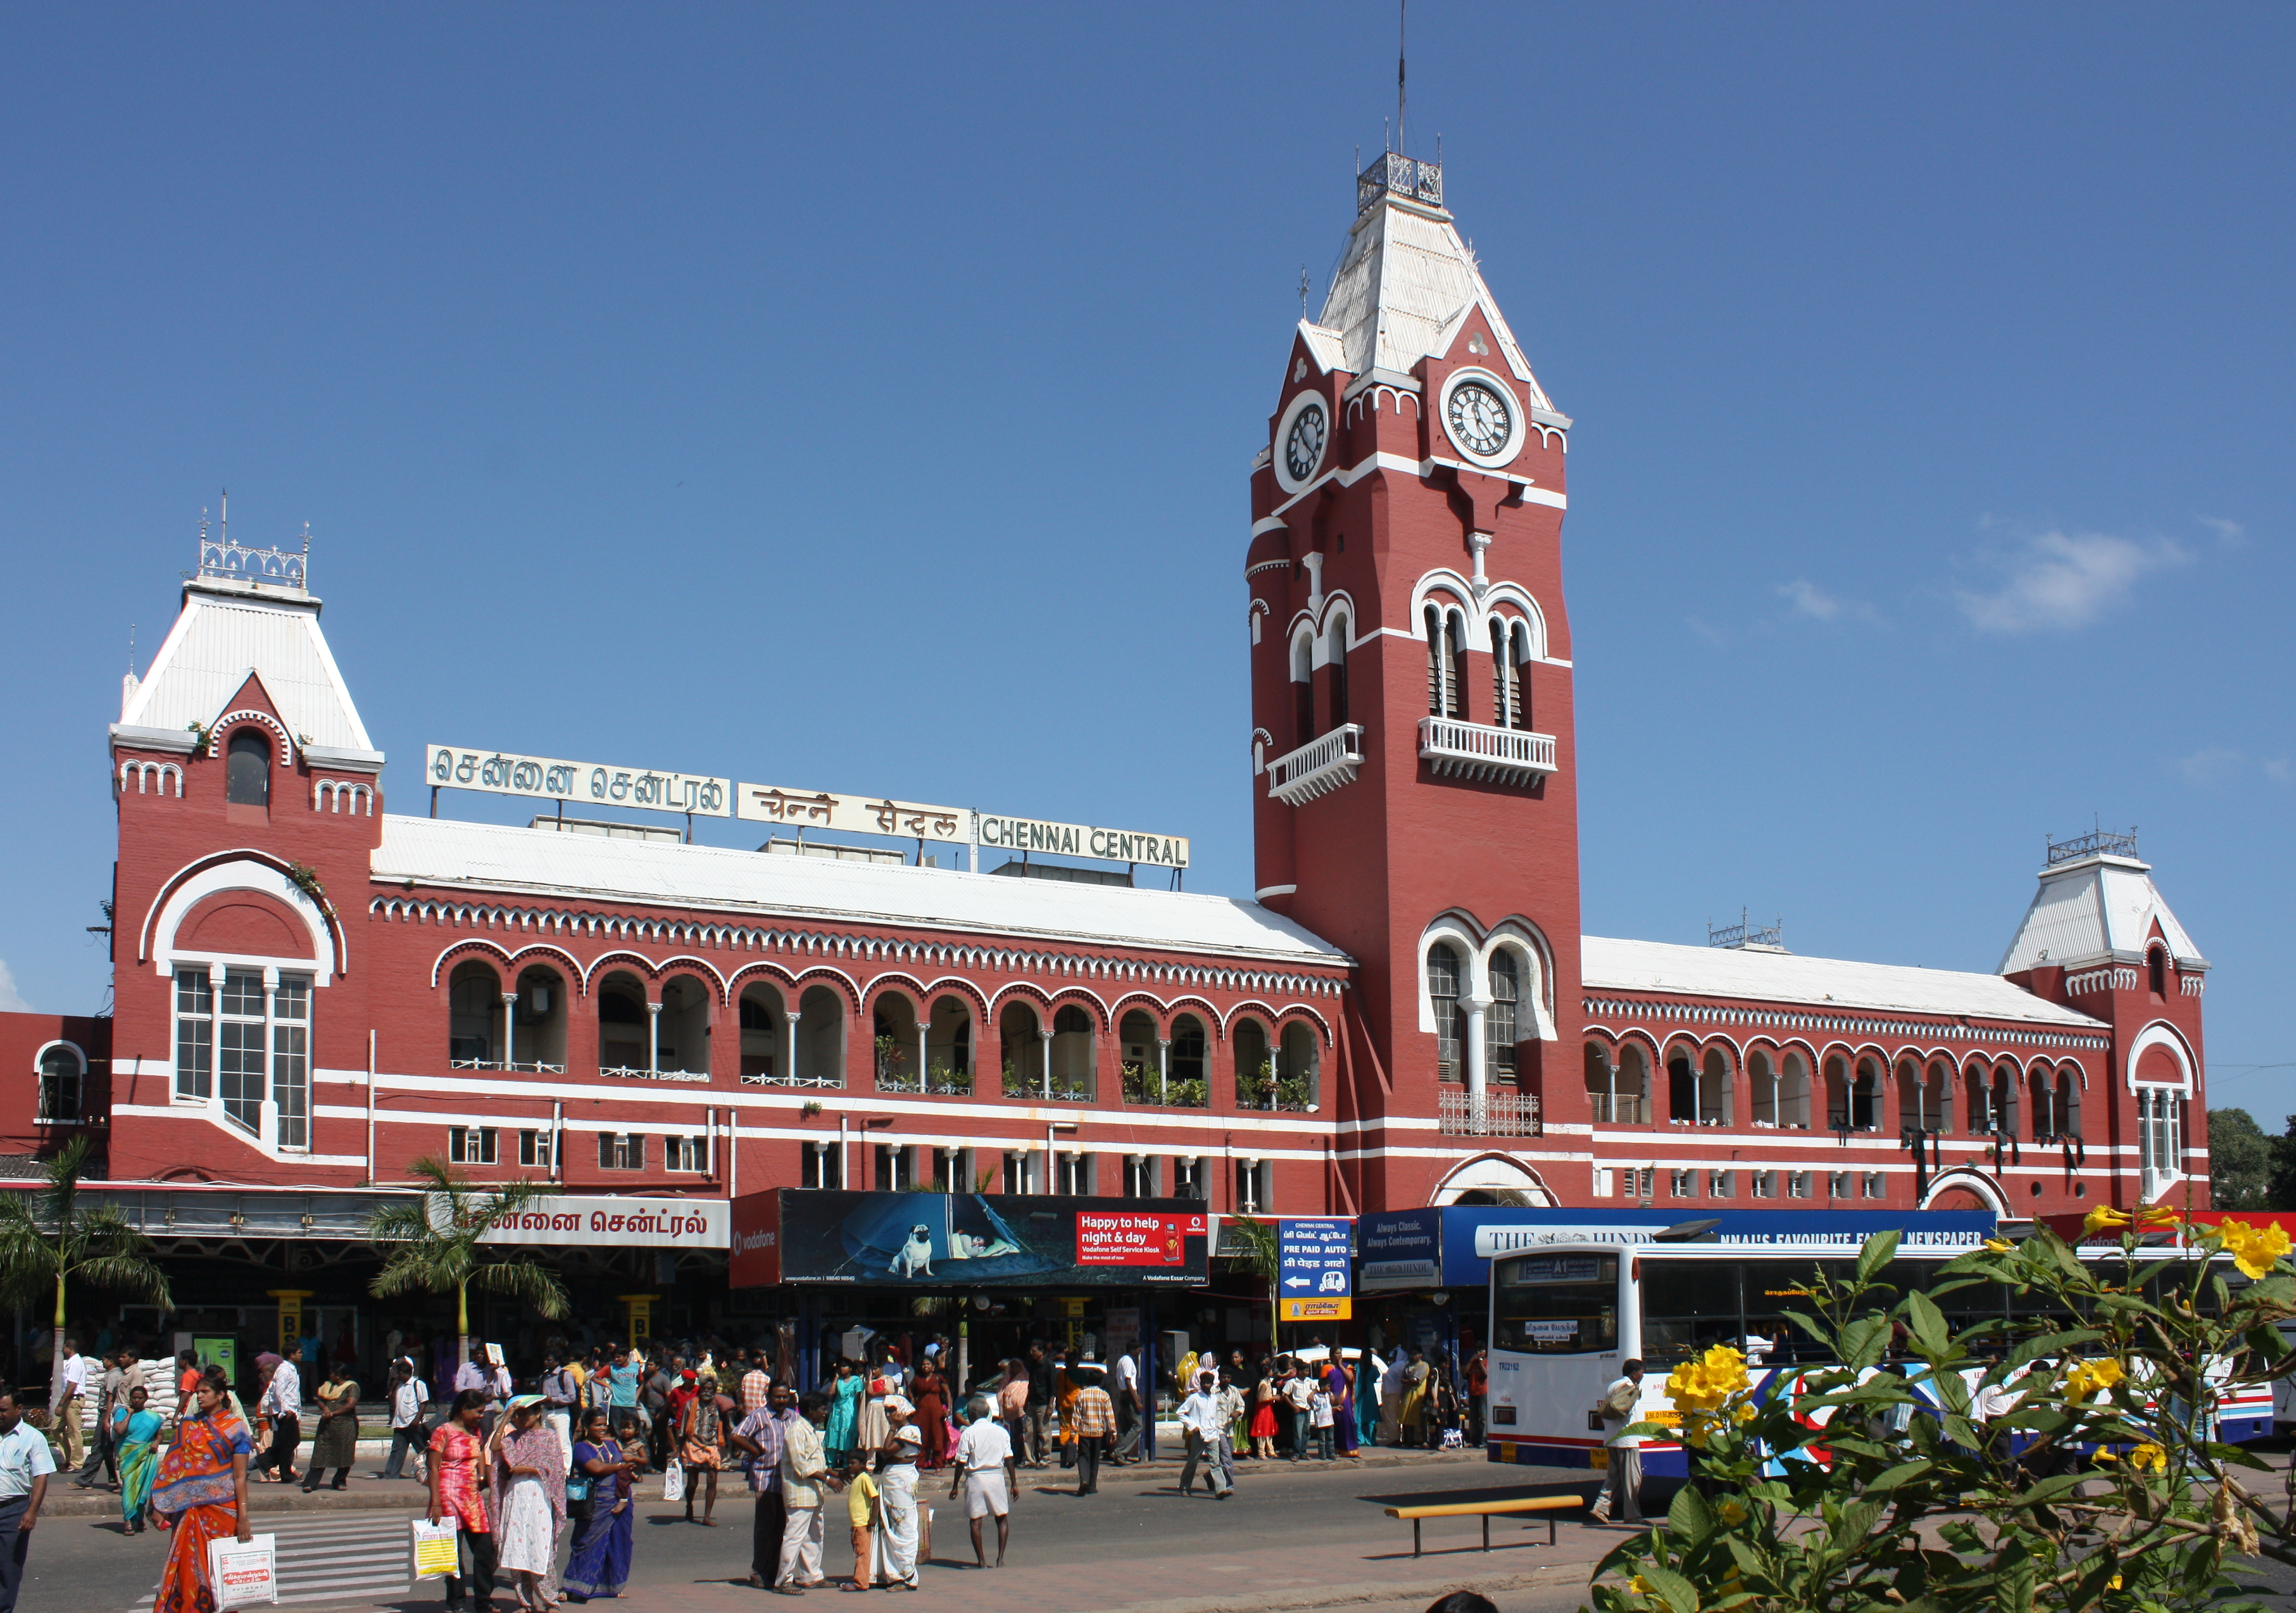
1447, 669
1994, 1098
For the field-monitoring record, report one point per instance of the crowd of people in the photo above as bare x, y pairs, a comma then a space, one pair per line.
527, 1470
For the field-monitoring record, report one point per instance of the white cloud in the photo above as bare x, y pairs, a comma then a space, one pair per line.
2060, 581
11, 1002
1811, 601
2231, 533
2212, 765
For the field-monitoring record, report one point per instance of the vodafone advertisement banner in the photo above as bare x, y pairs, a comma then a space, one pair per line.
1135, 1238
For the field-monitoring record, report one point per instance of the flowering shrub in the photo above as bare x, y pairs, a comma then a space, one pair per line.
2093, 1479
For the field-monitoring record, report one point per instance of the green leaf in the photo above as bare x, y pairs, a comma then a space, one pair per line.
1670, 1588
1889, 1478
1864, 1340
1927, 1324
1963, 1432
1879, 1250
1688, 1518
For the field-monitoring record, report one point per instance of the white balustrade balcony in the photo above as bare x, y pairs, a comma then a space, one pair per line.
1494, 1112
1318, 767
1476, 750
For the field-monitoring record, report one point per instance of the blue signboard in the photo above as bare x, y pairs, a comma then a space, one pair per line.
1315, 1265
1452, 1246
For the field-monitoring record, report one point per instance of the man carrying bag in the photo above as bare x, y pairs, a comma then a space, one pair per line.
1621, 1498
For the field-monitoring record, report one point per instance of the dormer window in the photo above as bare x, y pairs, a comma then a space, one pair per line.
247, 777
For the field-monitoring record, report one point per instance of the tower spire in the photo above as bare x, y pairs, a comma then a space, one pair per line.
1402, 24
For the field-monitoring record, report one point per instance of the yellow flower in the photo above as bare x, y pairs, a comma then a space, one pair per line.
2087, 1377
1999, 1246
2103, 1217
2148, 1456
1734, 1513
1745, 1412
2113, 1584
2253, 1248
1639, 1585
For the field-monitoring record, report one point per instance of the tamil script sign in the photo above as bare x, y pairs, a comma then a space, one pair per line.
621, 1223
1315, 1259
591, 783
1085, 840
854, 813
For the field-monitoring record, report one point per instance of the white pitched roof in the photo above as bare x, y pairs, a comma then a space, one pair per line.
227, 631
491, 857
2099, 909
1780, 977
1404, 284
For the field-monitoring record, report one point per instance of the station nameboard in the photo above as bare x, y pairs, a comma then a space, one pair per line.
597, 783
1085, 840
855, 814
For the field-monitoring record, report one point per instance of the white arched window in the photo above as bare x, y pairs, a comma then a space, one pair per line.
1443, 998
1336, 653
1303, 688
1501, 1027
1447, 655
64, 1070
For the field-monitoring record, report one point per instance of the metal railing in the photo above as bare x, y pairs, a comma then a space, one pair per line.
821, 1082
237, 563
1391, 172
1476, 750
1493, 1113
523, 1066
1618, 1108
627, 1072
1321, 766
2106, 842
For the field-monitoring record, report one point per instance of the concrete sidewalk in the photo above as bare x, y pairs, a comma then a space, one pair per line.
365, 1491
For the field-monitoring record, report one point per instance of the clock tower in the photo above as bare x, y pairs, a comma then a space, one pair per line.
1414, 794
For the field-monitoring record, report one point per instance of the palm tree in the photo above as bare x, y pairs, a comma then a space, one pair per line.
1262, 1258
433, 1244
46, 1240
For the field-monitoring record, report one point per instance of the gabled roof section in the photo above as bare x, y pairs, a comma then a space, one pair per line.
1327, 347
226, 634
2101, 909
1405, 284
1763, 976
445, 854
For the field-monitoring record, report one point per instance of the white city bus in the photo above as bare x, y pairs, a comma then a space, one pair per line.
1564, 1316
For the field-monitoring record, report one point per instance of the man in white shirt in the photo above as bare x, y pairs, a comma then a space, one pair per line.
1129, 1420
282, 1403
1298, 1393
984, 1465
1620, 1501
408, 1395
1204, 1426
804, 1475
68, 1408
25, 1465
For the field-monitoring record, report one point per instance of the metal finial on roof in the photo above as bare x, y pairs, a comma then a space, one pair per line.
1303, 290
1742, 935
1402, 32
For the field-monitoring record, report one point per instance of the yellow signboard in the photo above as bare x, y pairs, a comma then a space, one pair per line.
1318, 1310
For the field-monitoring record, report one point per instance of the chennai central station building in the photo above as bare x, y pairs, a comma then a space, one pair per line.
321, 973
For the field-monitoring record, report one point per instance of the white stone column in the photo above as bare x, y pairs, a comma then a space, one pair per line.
1163, 1069
266, 1113
653, 1035
1314, 564
922, 1082
216, 972
789, 1043
1045, 1047
1475, 1055
510, 1029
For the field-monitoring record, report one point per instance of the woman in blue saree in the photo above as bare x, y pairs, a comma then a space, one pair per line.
135, 1439
600, 1562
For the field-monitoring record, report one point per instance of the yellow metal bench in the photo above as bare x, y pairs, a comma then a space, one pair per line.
1486, 1510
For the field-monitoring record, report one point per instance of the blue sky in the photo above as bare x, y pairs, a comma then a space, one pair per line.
864, 398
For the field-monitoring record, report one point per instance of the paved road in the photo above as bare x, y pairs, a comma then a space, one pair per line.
1326, 1520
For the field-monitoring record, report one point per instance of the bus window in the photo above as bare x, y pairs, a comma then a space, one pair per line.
1688, 1305
1556, 1305
1773, 1287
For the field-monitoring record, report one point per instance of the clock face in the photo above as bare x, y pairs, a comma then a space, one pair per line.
1303, 445
1480, 420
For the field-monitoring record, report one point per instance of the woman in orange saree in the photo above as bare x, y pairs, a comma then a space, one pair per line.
201, 1494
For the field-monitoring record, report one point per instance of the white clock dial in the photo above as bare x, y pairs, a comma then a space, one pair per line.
1480, 420
1303, 445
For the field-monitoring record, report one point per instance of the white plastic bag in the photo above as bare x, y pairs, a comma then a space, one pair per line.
244, 1572
434, 1549
673, 1481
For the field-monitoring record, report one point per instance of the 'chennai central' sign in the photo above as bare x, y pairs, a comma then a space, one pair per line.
1085, 840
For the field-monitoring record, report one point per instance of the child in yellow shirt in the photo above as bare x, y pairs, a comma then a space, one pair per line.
861, 1500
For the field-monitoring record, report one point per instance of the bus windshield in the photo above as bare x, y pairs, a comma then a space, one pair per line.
1555, 1304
